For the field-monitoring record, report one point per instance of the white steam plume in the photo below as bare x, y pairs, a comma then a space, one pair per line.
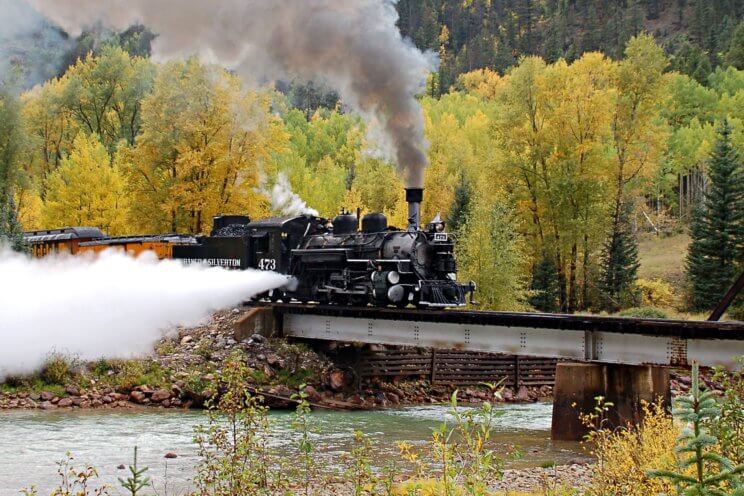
352, 46
112, 306
286, 201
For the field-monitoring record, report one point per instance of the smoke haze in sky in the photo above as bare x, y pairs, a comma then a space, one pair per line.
28, 44
112, 306
352, 46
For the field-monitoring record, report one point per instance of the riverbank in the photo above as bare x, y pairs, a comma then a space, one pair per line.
185, 365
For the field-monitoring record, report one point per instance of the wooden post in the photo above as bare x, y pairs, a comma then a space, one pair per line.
433, 365
517, 373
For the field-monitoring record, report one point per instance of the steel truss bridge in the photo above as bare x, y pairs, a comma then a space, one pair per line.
611, 340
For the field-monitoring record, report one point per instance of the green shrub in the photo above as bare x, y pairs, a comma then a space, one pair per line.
57, 369
644, 313
102, 367
132, 373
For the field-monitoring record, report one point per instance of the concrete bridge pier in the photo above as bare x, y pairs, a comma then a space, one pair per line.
577, 385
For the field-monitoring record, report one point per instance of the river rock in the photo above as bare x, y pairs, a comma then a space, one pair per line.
138, 397
72, 391
46, 396
47, 405
337, 380
160, 395
312, 394
65, 403
275, 361
170, 455
523, 394
186, 340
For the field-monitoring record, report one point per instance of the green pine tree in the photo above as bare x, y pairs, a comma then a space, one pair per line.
714, 474
619, 264
137, 480
735, 55
544, 286
11, 232
458, 214
715, 257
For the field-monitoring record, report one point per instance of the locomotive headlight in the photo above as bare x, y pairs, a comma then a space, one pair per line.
440, 227
396, 294
393, 277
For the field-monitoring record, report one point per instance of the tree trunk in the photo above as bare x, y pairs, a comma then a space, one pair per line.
585, 275
572, 279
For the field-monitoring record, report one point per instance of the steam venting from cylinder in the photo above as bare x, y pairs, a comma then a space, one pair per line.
414, 197
352, 46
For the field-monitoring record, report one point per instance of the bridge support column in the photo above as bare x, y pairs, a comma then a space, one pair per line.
577, 386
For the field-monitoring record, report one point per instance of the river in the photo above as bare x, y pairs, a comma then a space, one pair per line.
32, 441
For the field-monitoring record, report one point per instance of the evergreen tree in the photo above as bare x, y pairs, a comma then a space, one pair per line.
713, 474
619, 264
544, 286
715, 254
11, 232
735, 55
458, 214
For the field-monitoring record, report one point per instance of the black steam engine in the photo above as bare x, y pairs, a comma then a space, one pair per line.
330, 262
336, 262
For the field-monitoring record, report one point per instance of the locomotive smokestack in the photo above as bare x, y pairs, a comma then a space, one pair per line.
414, 197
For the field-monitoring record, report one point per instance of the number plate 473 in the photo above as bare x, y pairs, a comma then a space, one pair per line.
267, 264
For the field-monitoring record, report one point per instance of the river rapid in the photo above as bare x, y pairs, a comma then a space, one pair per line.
32, 441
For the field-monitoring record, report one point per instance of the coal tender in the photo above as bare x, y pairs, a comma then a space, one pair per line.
338, 263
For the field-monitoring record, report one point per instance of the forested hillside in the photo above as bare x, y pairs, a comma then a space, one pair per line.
556, 135
473, 34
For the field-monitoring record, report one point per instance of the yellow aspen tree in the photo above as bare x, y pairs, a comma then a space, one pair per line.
638, 136
86, 190
579, 99
202, 150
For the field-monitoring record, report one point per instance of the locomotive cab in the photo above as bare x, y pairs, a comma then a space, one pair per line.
271, 241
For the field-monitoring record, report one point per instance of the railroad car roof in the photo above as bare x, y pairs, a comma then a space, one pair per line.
156, 238
64, 234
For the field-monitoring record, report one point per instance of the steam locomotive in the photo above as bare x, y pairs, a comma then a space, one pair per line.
331, 262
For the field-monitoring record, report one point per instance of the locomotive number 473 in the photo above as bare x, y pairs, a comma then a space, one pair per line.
267, 264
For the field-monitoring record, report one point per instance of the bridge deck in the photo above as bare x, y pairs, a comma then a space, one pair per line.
578, 337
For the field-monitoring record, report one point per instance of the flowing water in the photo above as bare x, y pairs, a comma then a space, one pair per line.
32, 441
